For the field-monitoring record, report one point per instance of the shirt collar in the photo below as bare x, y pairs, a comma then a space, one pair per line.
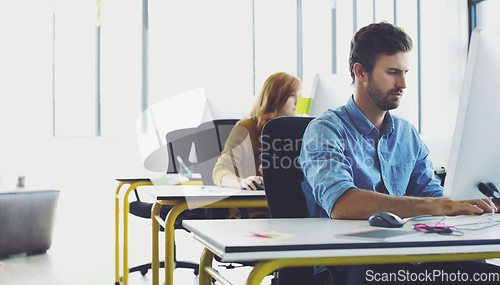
363, 125
388, 125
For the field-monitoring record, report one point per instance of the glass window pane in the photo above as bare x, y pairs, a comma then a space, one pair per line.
364, 13
345, 18
443, 56
317, 41
121, 65
487, 14
74, 66
198, 43
25, 72
275, 38
384, 11
407, 18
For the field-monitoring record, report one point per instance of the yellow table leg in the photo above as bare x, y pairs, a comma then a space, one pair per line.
155, 263
170, 239
205, 261
178, 208
117, 233
126, 211
261, 270
264, 268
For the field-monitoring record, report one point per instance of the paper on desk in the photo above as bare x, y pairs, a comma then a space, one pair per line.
271, 234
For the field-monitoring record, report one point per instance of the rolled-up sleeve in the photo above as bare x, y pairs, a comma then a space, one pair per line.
324, 164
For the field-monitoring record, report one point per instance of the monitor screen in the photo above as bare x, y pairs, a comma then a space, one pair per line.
475, 150
329, 91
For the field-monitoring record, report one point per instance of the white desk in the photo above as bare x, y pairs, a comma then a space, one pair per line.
185, 197
314, 242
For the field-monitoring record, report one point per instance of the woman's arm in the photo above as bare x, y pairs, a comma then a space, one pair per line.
236, 166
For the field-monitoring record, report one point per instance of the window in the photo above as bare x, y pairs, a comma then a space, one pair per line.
487, 14
74, 68
97, 67
230, 47
198, 43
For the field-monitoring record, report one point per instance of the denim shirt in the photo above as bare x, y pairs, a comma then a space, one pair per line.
341, 150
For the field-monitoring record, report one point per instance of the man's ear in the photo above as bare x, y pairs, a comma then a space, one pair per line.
359, 72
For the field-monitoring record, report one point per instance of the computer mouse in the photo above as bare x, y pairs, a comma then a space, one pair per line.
385, 220
258, 186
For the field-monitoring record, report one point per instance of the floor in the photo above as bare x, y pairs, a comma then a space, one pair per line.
82, 251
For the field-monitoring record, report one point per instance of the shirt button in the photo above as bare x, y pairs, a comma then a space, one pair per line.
383, 177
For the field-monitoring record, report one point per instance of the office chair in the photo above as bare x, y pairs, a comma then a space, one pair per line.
282, 183
179, 143
210, 138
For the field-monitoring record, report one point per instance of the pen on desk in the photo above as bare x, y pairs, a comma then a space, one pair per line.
260, 235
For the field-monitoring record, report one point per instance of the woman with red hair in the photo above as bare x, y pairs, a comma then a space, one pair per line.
239, 165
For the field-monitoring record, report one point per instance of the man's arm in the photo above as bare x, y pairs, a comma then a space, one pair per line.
361, 204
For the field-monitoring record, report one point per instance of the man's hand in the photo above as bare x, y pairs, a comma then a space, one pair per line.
446, 207
485, 205
361, 204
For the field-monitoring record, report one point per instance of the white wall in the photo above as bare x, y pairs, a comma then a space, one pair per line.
27, 146
197, 44
77, 164
444, 54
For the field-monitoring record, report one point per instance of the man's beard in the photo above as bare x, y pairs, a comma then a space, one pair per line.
381, 100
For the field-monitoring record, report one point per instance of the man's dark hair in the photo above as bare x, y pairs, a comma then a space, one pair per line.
374, 40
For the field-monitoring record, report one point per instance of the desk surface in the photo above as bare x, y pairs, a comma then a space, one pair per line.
197, 195
242, 240
187, 191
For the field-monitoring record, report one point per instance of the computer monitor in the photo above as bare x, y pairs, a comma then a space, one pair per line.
329, 91
475, 150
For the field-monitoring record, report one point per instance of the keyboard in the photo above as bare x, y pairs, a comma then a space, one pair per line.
475, 221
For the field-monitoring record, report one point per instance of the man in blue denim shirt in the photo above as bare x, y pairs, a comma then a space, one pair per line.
360, 159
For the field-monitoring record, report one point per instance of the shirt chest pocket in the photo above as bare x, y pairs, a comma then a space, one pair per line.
399, 178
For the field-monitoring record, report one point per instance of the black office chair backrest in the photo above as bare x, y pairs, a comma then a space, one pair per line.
180, 143
281, 142
210, 138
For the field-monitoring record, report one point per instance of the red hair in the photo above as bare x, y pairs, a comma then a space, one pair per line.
275, 92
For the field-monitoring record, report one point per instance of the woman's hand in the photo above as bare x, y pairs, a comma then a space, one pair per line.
248, 183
